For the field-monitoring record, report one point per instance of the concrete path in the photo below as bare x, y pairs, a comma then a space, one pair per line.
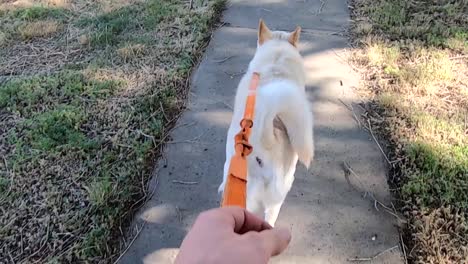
330, 219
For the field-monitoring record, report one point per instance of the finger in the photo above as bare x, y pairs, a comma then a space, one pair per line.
252, 223
275, 240
244, 221
241, 220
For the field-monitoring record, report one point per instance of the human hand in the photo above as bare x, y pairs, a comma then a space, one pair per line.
231, 235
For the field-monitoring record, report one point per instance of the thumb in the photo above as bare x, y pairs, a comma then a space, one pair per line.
275, 240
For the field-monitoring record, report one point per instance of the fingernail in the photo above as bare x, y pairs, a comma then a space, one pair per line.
284, 233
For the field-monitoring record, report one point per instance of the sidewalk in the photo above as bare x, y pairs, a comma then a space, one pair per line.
330, 219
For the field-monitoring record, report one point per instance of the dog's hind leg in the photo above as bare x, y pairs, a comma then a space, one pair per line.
254, 204
271, 213
255, 208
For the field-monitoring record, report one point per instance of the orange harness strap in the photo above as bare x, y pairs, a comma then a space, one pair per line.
235, 191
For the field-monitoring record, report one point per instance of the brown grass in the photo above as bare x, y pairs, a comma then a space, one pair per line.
131, 51
39, 29
111, 5
440, 236
3, 39
58, 3
414, 64
15, 4
81, 123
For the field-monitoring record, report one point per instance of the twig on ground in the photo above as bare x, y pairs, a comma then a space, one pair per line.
22, 242
179, 214
143, 185
397, 160
393, 207
349, 170
226, 104
163, 112
340, 58
185, 182
346, 61
460, 237
347, 106
131, 242
223, 60
319, 10
267, 10
403, 247
367, 193
232, 75
122, 235
373, 257
6, 165
148, 136
362, 107
377, 142
163, 139
65, 247
193, 140
182, 125
351, 108
337, 33
355, 116
152, 191
458, 57
43, 242
191, 4
11, 183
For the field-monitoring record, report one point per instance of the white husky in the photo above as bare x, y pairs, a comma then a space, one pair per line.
282, 131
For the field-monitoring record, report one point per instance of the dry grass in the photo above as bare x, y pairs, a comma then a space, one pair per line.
81, 123
58, 3
440, 236
37, 29
419, 72
111, 5
132, 51
3, 39
17, 4
413, 57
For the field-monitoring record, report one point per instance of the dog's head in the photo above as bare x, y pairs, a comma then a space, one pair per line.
265, 34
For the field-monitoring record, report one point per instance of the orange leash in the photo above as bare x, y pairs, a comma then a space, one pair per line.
235, 191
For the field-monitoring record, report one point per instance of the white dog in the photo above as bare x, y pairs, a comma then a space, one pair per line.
282, 130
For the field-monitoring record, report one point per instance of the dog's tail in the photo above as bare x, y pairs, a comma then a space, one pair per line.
286, 101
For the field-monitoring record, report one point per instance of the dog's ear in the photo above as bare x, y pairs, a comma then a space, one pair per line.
264, 33
294, 36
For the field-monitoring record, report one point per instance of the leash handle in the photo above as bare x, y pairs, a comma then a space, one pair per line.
235, 190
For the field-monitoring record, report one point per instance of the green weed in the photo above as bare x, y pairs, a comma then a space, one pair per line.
92, 244
38, 12
157, 11
27, 96
107, 27
438, 175
99, 191
432, 22
4, 184
58, 127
